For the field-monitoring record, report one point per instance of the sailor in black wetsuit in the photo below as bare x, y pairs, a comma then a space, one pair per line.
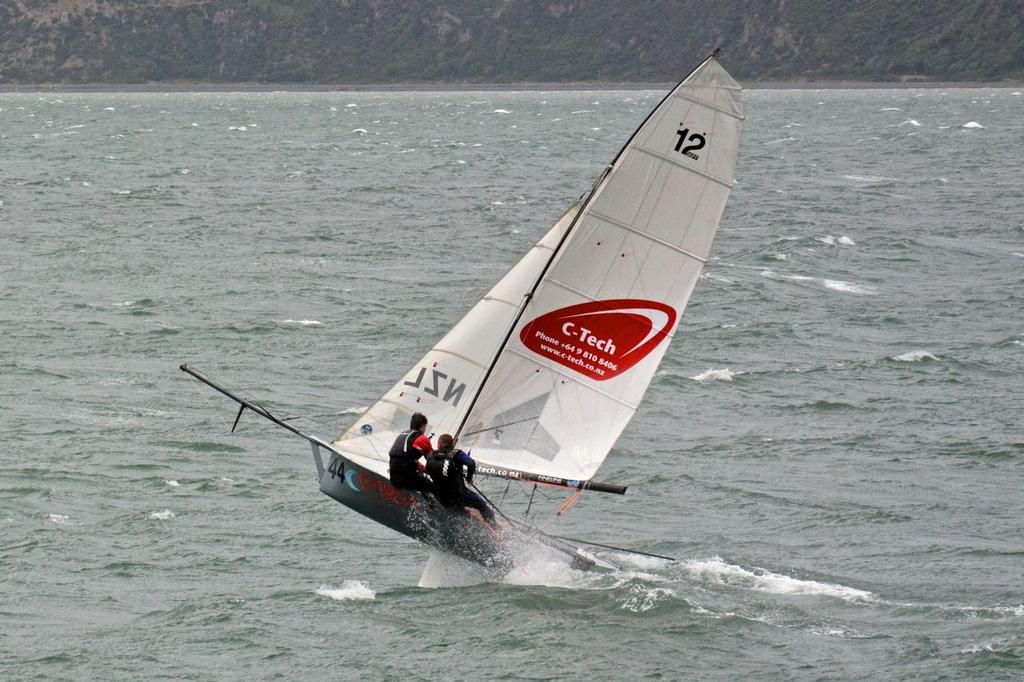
445, 468
405, 454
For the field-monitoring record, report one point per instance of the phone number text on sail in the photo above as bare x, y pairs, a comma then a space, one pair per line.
576, 355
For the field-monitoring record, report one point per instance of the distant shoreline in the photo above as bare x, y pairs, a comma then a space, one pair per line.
178, 86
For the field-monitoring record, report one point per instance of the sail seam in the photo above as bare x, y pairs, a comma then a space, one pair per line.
646, 235
500, 300
709, 105
572, 290
459, 355
565, 375
669, 159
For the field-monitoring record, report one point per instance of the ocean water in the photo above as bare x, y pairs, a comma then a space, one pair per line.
832, 449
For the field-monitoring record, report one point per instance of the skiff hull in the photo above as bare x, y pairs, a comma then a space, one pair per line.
410, 513
496, 548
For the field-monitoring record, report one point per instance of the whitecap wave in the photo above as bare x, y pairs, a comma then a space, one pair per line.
847, 287
172, 483
350, 590
996, 612
714, 375
501, 111
846, 241
164, 515
911, 121
981, 647
833, 284
59, 519
835, 631
915, 356
870, 178
304, 323
972, 124
361, 131
355, 410
890, 109
762, 580
643, 598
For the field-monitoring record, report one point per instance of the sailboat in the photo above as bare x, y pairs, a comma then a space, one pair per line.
539, 379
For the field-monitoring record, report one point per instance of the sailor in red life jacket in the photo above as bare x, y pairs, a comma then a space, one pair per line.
405, 454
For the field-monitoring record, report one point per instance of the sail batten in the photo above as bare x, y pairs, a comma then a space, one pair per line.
727, 112
569, 377
668, 159
630, 228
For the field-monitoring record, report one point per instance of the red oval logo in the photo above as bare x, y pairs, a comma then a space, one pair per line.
600, 339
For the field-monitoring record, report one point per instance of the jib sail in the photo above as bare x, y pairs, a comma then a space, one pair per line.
443, 382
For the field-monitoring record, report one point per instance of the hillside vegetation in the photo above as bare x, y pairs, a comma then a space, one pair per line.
497, 41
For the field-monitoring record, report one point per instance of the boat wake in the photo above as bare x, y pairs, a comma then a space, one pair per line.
644, 581
761, 580
710, 587
350, 590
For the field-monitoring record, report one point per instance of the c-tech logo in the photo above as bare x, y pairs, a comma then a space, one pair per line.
600, 339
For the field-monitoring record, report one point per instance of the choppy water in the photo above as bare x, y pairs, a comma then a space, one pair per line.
833, 447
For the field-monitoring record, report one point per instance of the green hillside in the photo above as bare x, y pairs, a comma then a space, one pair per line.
385, 41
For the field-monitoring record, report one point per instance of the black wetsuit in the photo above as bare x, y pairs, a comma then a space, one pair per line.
402, 466
445, 468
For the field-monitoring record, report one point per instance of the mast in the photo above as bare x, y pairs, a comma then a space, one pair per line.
561, 242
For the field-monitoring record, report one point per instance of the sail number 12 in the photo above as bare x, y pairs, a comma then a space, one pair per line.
696, 140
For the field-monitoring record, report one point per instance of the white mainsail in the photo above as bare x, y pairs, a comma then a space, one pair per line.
594, 304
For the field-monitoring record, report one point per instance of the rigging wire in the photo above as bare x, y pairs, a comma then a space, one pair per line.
530, 503
206, 398
614, 548
501, 426
507, 486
